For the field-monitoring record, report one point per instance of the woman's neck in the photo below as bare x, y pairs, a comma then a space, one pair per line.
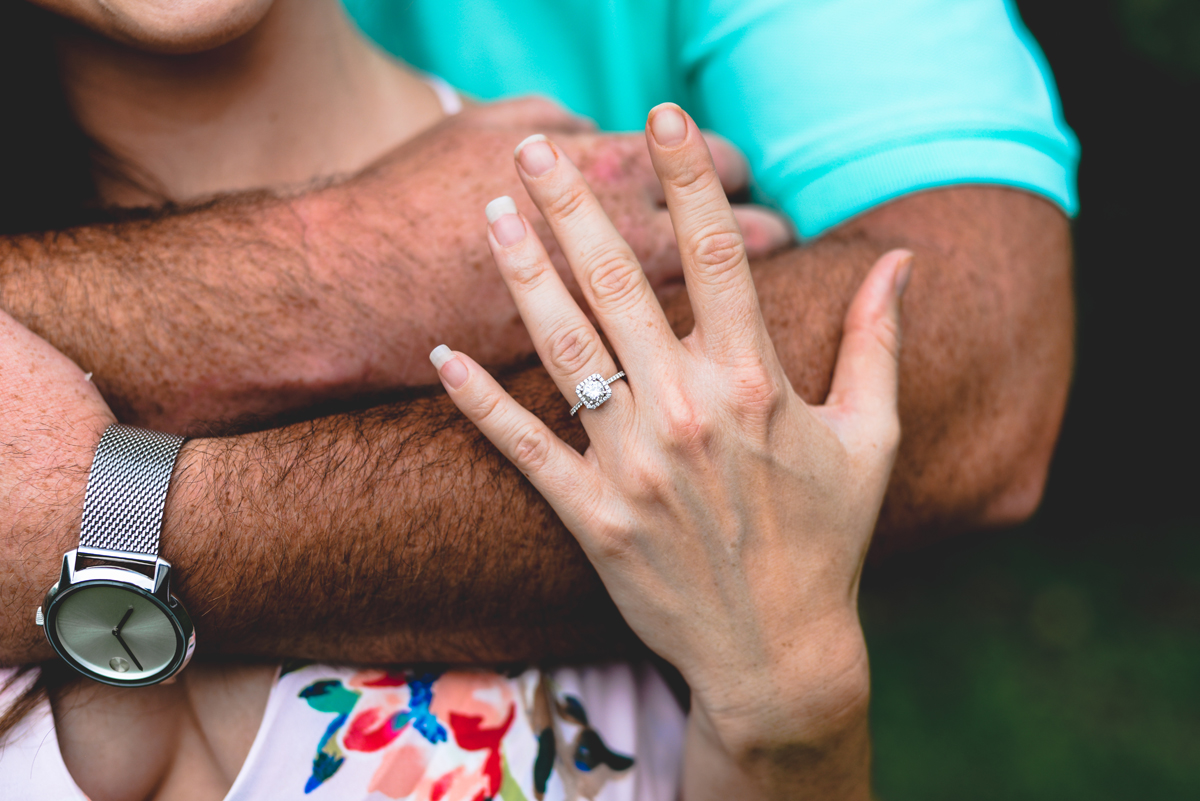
302, 96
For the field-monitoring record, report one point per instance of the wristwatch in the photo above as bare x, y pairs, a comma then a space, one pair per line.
111, 615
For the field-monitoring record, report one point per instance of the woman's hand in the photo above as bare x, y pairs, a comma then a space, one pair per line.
51, 419
727, 518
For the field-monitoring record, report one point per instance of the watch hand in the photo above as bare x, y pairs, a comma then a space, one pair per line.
121, 640
117, 628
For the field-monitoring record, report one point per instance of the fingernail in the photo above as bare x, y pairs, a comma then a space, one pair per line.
451, 368
668, 125
536, 156
507, 227
903, 273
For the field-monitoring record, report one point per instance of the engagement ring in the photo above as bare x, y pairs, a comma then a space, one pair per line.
594, 390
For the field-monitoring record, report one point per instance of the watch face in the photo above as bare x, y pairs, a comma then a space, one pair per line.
119, 634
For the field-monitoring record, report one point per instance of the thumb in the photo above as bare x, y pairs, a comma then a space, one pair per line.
867, 373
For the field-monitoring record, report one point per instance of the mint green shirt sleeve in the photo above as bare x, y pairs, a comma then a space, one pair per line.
841, 105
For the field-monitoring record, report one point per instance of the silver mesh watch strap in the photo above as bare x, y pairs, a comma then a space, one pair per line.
126, 493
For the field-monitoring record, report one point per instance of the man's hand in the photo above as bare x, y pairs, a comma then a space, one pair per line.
51, 419
257, 305
413, 252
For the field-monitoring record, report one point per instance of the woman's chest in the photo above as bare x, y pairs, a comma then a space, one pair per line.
612, 733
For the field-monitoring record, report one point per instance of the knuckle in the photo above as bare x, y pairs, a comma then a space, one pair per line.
718, 250
687, 427
613, 540
757, 399
883, 330
646, 480
756, 392
887, 332
522, 272
489, 406
694, 176
572, 350
568, 203
614, 278
531, 450
539, 104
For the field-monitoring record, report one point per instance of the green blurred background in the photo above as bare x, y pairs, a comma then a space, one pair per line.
1061, 660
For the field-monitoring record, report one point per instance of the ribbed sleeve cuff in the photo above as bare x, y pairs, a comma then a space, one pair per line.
858, 185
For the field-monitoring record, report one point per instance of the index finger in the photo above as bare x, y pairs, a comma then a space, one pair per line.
715, 267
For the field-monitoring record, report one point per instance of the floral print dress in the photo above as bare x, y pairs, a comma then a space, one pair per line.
612, 733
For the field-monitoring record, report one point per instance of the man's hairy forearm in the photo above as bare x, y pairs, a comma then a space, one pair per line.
399, 533
255, 305
987, 355
391, 534
219, 312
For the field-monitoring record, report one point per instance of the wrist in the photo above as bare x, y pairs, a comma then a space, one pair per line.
808, 698
806, 737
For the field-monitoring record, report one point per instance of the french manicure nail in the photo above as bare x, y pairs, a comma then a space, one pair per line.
536, 156
499, 207
668, 125
903, 273
507, 227
451, 368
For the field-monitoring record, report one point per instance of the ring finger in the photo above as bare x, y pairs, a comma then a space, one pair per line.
568, 344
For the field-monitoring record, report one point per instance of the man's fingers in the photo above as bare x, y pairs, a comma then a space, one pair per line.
654, 244
763, 230
711, 246
533, 112
866, 375
608, 157
566, 479
731, 164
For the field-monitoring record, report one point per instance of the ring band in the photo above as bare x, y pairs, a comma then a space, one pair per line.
594, 390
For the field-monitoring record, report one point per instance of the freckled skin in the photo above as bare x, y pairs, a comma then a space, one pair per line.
259, 305
426, 521
331, 534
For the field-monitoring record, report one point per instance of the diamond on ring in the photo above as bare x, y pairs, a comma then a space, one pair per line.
594, 390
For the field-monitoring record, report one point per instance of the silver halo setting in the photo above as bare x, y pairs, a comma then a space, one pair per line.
594, 390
